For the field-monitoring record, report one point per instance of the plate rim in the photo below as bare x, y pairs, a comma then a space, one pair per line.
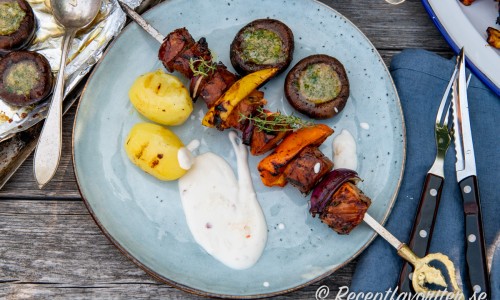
203, 293
456, 49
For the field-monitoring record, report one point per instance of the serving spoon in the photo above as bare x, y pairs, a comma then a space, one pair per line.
72, 15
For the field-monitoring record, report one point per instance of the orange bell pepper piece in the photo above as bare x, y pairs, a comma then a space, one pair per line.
271, 167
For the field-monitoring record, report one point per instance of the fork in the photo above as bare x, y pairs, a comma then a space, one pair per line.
423, 226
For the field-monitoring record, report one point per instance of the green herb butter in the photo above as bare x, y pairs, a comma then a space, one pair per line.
319, 83
11, 16
262, 46
21, 78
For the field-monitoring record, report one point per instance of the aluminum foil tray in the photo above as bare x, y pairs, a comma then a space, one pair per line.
86, 49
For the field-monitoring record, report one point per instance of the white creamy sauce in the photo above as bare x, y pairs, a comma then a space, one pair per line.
365, 126
344, 151
185, 158
223, 213
185, 155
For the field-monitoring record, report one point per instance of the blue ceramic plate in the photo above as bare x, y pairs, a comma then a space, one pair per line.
144, 217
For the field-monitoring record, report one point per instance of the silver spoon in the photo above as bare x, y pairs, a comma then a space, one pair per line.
72, 15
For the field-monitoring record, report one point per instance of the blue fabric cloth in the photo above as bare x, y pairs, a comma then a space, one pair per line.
421, 78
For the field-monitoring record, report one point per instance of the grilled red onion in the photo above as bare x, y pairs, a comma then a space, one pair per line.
324, 191
247, 132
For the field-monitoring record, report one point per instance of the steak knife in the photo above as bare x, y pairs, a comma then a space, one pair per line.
465, 167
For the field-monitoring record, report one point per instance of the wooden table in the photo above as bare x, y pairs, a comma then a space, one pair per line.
50, 246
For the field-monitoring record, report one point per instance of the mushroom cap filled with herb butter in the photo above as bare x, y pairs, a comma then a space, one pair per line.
317, 86
17, 25
262, 44
25, 78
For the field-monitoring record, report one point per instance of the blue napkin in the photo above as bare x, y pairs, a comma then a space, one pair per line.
421, 78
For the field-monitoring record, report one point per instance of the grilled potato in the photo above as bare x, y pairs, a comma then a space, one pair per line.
154, 148
162, 98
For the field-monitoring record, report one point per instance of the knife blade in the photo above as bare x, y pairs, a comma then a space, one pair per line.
465, 167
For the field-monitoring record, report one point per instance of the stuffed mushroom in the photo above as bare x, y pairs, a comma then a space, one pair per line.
262, 44
25, 78
317, 86
17, 25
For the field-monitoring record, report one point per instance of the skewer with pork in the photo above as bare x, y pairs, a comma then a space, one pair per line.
236, 103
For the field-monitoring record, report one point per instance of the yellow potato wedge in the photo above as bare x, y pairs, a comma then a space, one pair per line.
154, 148
161, 97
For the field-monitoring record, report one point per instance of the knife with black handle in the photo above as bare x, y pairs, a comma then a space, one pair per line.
475, 245
465, 167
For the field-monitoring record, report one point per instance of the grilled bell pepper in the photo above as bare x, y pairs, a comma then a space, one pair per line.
271, 167
218, 114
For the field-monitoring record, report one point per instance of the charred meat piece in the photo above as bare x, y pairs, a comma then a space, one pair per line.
195, 55
346, 209
307, 168
25, 78
262, 44
265, 140
243, 109
17, 25
317, 86
272, 167
493, 37
174, 44
220, 80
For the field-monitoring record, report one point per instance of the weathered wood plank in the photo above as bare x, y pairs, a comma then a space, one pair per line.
54, 249
392, 27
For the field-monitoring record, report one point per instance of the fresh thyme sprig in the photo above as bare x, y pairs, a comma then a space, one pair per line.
276, 121
201, 67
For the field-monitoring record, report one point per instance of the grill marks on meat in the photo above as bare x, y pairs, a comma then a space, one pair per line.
245, 108
346, 209
176, 53
219, 81
174, 44
198, 51
263, 141
302, 171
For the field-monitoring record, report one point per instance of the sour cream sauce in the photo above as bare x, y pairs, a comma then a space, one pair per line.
344, 151
223, 213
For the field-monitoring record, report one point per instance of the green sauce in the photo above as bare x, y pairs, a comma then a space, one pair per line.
22, 78
11, 16
262, 46
319, 83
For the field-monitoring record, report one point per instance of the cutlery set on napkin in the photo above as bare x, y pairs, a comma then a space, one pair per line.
458, 224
